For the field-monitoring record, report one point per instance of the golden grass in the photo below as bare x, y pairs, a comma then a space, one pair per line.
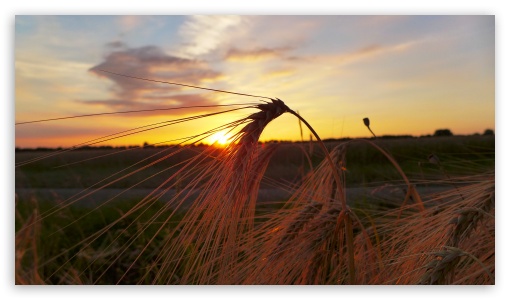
27, 259
315, 237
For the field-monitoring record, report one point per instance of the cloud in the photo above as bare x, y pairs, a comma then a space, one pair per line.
256, 54
204, 34
128, 23
285, 72
150, 62
116, 45
158, 105
365, 52
46, 131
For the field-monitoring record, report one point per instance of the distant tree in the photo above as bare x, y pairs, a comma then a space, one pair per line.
443, 132
488, 132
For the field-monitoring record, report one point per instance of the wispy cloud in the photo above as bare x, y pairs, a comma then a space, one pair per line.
154, 105
257, 54
203, 34
366, 52
282, 72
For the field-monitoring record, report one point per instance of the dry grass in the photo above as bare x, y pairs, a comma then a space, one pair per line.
26, 243
421, 248
314, 237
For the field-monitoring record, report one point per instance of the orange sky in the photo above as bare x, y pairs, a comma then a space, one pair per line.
408, 74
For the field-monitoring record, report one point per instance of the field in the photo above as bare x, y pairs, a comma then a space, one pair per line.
374, 211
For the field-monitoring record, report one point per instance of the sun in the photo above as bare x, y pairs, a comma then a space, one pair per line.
220, 139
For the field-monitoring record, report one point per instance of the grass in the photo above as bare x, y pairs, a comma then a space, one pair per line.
195, 215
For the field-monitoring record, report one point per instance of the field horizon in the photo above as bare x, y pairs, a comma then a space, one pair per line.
486, 132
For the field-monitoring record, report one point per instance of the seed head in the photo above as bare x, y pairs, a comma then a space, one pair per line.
366, 121
433, 159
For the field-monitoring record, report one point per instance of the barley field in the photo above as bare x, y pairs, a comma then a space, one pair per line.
358, 211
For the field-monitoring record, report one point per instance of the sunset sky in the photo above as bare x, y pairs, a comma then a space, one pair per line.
408, 74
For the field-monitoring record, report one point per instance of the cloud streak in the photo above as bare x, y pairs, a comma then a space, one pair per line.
155, 105
256, 54
364, 53
204, 34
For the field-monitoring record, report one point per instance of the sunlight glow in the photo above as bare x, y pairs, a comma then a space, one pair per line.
221, 139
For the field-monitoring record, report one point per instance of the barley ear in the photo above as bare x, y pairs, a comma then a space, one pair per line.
366, 121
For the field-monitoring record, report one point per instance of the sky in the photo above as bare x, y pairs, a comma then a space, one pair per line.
409, 74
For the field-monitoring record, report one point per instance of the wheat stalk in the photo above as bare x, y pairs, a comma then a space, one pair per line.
222, 216
441, 270
303, 217
468, 219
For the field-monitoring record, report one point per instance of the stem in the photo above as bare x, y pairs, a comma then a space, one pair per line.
371, 131
350, 247
348, 222
328, 157
484, 267
411, 190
